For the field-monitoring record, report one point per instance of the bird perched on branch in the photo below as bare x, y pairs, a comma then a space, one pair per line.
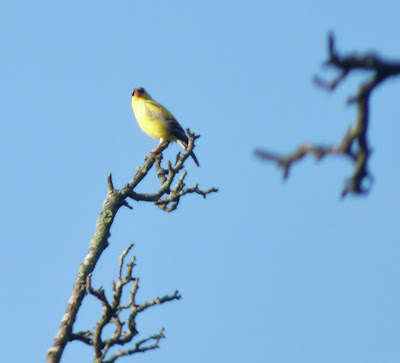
156, 121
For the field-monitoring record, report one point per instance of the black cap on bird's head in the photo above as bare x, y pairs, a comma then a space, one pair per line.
138, 91
140, 94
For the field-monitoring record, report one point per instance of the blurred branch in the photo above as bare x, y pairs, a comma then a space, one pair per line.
354, 144
165, 198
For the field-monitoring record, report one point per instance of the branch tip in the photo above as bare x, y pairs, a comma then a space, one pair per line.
110, 183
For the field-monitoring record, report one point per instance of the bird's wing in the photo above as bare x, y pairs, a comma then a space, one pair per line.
160, 112
157, 110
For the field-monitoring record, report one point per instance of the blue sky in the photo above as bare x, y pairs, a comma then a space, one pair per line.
269, 271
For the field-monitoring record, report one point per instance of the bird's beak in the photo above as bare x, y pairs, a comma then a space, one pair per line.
133, 93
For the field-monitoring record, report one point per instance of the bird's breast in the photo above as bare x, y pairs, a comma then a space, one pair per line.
151, 121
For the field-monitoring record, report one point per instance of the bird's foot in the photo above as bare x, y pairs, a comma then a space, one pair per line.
156, 150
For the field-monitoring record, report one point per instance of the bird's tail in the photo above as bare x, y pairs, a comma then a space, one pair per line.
184, 145
194, 158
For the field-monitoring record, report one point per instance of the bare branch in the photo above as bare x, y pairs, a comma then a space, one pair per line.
354, 144
114, 201
158, 301
126, 204
110, 183
177, 193
330, 86
139, 348
112, 311
121, 260
83, 336
166, 177
99, 293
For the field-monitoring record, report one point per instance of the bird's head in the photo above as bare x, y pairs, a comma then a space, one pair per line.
140, 92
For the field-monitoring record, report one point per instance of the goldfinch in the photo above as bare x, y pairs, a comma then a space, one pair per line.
156, 121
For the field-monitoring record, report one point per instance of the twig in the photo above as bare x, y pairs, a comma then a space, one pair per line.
121, 260
139, 347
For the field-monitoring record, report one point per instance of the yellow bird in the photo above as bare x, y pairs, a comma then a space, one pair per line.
156, 121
